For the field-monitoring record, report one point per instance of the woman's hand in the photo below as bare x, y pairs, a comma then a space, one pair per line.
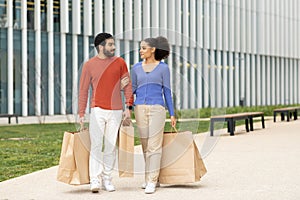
127, 114
124, 82
173, 121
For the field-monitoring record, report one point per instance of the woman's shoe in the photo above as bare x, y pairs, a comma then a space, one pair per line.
150, 188
145, 184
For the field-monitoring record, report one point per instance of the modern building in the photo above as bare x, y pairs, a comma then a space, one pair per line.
224, 52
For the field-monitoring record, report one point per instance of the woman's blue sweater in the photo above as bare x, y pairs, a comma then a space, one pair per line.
152, 88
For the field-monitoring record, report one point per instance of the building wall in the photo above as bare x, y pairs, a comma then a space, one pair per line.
224, 52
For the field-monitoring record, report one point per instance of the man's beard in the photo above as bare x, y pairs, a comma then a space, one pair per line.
108, 53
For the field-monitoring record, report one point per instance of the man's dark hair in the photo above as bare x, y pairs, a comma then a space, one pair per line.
100, 39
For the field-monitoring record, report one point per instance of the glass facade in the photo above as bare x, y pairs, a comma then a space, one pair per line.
223, 54
17, 63
56, 16
44, 73
3, 70
31, 71
57, 80
69, 76
43, 15
17, 14
3, 15
30, 14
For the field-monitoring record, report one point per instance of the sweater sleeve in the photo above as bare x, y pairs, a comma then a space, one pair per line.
128, 88
83, 91
167, 91
134, 80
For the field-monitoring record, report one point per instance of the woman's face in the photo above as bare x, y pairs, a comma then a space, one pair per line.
146, 51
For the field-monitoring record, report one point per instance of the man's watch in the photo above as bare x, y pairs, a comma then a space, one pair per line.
129, 107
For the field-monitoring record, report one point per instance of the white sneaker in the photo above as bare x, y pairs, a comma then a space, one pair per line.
108, 186
145, 184
95, 186
150, 188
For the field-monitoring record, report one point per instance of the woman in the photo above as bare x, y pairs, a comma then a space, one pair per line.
151, 86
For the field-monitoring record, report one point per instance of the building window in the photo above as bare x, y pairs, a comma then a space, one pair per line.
70, 16
69, 77
30, 14
57, 75
44, 74
3, 71
3, 16
56, 17
31, 72
43, 15
17, 14
17, 72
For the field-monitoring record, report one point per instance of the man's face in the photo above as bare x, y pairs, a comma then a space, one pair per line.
109, 48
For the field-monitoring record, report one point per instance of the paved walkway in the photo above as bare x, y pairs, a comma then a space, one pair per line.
259, 165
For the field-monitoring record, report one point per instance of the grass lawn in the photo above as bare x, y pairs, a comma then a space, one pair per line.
28, 148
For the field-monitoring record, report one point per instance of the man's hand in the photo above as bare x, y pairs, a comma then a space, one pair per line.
81, 122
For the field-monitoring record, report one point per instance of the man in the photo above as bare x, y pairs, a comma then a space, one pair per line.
107, 75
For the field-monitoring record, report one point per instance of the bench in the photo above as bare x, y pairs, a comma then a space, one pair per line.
288, 111
232, 118
9, 116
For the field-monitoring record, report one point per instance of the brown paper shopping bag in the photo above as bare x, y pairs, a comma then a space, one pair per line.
126, 149
74, 159
181, 161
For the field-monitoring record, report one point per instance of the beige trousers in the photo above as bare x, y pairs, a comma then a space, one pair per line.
150, 121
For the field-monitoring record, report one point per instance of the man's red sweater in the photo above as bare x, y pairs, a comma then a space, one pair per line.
104, 76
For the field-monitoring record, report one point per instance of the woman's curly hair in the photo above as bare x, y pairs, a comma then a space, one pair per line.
162, 47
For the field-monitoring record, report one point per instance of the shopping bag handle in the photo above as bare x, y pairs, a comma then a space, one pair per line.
174, 129
82, 127
126, 121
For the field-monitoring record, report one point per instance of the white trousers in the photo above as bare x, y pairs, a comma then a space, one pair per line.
150, 121
103, 128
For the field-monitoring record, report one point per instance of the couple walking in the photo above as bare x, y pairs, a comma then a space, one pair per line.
147, 88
